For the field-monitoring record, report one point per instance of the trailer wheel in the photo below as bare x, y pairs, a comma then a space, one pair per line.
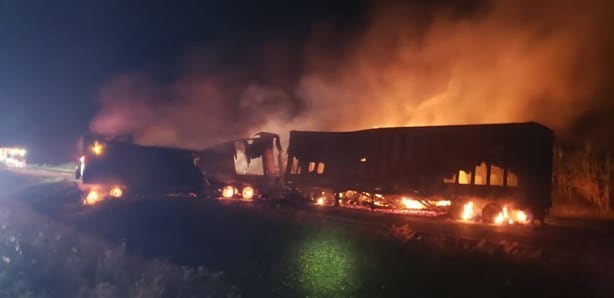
490, 212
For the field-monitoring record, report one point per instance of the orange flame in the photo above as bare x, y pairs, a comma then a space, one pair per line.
467, 211
412, 204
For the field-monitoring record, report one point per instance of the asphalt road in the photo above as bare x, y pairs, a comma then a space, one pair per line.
44, 172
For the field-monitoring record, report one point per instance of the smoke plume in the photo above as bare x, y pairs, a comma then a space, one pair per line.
495, 61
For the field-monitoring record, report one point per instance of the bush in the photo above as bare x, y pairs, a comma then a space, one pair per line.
584, 174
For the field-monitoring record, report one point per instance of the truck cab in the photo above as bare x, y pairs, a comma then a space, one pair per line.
111, 169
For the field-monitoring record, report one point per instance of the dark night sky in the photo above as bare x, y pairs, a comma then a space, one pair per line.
55, 55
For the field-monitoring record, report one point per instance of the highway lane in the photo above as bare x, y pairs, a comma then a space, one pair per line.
44, 172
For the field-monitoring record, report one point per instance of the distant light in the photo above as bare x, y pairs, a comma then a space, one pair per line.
320, 201
363, 159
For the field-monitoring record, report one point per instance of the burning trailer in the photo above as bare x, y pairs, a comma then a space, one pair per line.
497, 173
116, 169
244, 169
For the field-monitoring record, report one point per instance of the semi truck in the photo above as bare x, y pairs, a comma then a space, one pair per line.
109, 168
495, 173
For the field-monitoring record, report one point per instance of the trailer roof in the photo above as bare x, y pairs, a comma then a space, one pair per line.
439, 127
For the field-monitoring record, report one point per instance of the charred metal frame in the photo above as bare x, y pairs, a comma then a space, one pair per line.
217, 163
415, 160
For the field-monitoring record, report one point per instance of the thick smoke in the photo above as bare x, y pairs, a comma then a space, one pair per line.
497, 61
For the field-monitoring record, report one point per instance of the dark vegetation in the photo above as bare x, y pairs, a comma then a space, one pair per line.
583, 181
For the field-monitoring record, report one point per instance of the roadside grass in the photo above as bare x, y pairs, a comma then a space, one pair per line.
41, 257
264, 254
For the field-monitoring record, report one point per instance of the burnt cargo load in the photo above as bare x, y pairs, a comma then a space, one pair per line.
243, 169
138, 169
429, 167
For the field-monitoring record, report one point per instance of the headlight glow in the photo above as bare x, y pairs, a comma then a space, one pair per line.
228, 191
92, 198
116, 192
97, 148
248, 192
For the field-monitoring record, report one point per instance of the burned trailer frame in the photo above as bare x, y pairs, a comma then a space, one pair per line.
245, 168
495, 163
135, 170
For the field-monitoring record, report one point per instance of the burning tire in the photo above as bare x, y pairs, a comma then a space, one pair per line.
490, 212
